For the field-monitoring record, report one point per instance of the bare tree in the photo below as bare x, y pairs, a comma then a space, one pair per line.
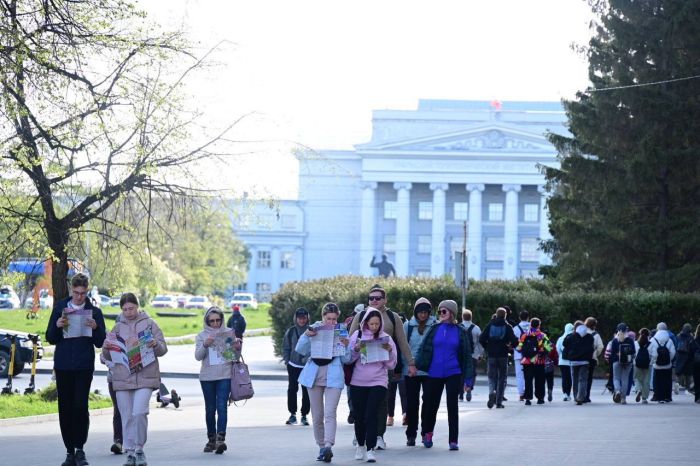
93, 115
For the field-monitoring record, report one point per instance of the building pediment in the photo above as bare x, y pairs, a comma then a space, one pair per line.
484, 138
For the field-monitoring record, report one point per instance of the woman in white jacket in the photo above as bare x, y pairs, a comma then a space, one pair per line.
662, 361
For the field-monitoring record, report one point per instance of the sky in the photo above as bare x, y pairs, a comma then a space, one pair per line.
309, 73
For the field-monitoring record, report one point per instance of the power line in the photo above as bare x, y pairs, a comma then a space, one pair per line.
603, 89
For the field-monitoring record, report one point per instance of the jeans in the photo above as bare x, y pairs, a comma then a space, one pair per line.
498, 374
580, 382
366, 402
413, 388
621, 377
591, 369
534, 373
566, 381
216, 394
293, 389
431, 403
73, 389
391, 397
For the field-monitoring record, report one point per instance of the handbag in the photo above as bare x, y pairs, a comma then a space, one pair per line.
241, 385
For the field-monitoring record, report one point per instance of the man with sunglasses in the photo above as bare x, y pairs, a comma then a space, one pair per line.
393, 327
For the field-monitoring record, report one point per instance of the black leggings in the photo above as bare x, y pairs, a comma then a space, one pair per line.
413, 397
293, 390
391, 399
73, 389
566, 379
431, 403
365, 401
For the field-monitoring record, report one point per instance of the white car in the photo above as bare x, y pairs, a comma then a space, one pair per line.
8, 298
243, 300
45, 300
198, 302
162, 300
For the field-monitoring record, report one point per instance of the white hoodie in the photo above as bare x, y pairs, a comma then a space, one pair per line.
661, 338
525, 326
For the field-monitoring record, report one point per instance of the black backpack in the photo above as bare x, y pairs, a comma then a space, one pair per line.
626, 353
663, 355
581, 347
642, 360
529, 349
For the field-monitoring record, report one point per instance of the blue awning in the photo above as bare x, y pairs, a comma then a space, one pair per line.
27, 266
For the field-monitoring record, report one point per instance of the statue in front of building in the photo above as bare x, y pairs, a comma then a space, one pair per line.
385, 268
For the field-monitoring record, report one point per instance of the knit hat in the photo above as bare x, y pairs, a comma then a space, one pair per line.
301, 311
422, 305
450, 305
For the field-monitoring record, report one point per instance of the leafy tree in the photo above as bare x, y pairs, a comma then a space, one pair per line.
92, 121
626, 200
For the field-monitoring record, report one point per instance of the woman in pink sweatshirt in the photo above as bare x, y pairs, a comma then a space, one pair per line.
373, 353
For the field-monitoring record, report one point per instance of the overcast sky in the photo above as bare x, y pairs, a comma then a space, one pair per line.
312, 71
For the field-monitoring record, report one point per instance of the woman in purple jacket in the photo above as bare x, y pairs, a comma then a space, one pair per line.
369, 379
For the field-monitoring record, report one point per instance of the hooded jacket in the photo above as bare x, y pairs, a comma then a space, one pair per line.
149, 376
662, 338
568, 328
335, 377
478, 349
498, 348
416, 339
74, 354
464, 351
518, 330
375, 373
289, 343
209, 372
544, 346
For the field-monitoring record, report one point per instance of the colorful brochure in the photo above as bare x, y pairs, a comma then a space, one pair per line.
222, 350
371, 350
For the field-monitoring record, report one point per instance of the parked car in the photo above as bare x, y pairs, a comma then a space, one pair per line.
103, 300
45, 300
23, 353
182, 300
8, 298
163, 300
243, 300
114, 300
198, 302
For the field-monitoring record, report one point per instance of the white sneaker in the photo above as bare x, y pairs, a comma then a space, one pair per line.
381, 444
370, 456
360, 452
676, 387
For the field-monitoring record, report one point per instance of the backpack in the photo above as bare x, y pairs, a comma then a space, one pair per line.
580, 347
642, 360
663, 355
684, 344
497, 332
626, 353
529, 348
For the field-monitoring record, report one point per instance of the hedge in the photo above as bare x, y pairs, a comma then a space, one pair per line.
556, 307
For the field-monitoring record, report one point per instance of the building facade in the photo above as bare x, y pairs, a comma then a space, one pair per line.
429, 180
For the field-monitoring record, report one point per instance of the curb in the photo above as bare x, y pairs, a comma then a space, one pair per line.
13, 421
185, 375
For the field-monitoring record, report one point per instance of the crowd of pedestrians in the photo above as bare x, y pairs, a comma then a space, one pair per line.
437, 350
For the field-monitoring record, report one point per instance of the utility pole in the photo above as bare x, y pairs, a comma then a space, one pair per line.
464, 268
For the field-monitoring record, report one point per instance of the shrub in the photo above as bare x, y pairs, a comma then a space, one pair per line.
555, 306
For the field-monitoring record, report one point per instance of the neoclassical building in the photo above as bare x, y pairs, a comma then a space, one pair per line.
425, 177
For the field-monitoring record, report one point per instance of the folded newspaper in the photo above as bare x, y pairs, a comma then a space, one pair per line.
75, 326
133, 353
327, 344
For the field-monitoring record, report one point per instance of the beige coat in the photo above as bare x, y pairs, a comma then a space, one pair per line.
149, 376
208, 372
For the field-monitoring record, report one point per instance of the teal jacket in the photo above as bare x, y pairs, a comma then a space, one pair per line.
425, 352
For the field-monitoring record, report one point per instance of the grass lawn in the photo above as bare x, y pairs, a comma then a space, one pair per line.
33, 405
171, 326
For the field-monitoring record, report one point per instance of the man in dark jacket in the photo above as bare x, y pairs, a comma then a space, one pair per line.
497, 339
295, 363
76, 327
236, 321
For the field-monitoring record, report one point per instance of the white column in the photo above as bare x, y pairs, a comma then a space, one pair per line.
367, 226
474, 239
545, 235
275, 269
437, 250
299, 257
403, 227
252, 268
510, 233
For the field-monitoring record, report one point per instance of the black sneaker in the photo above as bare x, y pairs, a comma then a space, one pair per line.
292, 420
411, 441
528, 402
304, 421
540, 401
351, 418
469, 395
492, 400
80, 459
116, 448
500, 406
70, 460
461, 397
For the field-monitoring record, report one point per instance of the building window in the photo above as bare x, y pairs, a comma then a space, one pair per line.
263, 287
461, 210
263, 261
289, 222
425, 211
528, 250
287, 260
390, 210
494, 274
531, 212
495, 212
389, 243
424, 244
494, 249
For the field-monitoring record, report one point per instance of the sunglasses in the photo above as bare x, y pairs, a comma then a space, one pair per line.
376, 298
442, 312
213, 321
